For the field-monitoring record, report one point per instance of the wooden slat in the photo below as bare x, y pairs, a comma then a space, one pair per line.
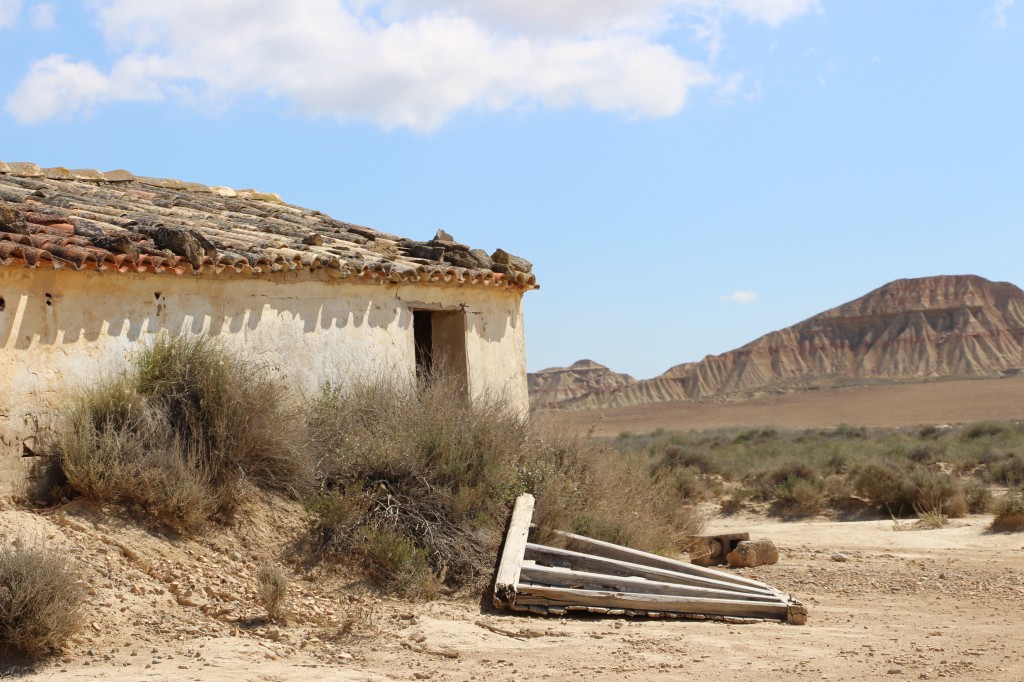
562, 577
585, 562
566, 597
608, 550
515, 548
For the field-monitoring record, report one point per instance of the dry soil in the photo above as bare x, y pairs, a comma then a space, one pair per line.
902, 605
938, 402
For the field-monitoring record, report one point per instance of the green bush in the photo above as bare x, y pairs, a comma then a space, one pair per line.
40, 600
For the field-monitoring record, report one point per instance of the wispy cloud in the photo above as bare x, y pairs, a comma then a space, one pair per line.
743, 297
9, 11
735, 87
397, 63
43, 16
999, 11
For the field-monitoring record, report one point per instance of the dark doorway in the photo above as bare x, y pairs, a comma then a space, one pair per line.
423, 331
440, 341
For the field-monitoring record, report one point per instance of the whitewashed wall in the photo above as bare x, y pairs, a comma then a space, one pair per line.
60, 329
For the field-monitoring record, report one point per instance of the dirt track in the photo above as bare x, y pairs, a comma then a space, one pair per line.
907, 605
940, 402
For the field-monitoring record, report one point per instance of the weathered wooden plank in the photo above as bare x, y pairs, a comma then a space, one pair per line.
578, 561
608, 550
565, 597
563, 577
515, 548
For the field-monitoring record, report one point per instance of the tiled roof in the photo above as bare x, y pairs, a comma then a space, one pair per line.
118, 222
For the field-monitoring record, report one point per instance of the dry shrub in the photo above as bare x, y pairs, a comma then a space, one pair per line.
977, 496
794, 487
904, 491
40, 600
182, 433
1007, 470
417, 483
1009, 515
797, 496
271, 589
600, 493
983, 429
756, 436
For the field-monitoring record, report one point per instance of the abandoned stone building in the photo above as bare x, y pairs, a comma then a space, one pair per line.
93, 264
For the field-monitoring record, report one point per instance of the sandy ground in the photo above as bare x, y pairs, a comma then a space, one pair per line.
939, 402
906, 605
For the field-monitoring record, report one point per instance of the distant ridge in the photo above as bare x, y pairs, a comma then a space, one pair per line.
961, 326
584, 378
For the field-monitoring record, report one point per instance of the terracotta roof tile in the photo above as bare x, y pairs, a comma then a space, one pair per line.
115, 221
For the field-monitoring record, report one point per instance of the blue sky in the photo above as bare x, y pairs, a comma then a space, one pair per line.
685, 175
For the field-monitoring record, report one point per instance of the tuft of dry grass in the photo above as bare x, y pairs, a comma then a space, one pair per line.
271, 589
182, 433
40, 600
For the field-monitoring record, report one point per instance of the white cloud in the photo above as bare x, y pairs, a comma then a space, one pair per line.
43, 16
9, 11
589, 17
397, 63
741, 297
999, 11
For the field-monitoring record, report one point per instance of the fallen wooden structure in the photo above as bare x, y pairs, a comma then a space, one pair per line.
599, 577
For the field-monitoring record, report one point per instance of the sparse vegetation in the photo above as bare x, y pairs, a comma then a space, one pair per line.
181, 433
40, 600
846, 470
416, 483
271, 589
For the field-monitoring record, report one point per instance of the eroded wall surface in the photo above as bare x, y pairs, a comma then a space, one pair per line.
61, 329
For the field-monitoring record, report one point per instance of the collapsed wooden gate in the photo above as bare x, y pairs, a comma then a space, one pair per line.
603, 578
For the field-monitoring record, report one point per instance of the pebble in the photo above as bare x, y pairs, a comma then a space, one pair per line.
839, 556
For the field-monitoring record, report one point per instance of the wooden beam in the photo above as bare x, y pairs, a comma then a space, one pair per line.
562, 577
512, 555
578, 561
566, 597
608, 550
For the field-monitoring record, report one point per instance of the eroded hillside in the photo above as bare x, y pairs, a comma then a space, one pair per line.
911, 329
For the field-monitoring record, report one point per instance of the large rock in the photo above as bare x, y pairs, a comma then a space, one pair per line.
503, 257
751, 553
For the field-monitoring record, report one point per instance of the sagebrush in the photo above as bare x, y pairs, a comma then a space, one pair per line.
182, 432
40, 599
